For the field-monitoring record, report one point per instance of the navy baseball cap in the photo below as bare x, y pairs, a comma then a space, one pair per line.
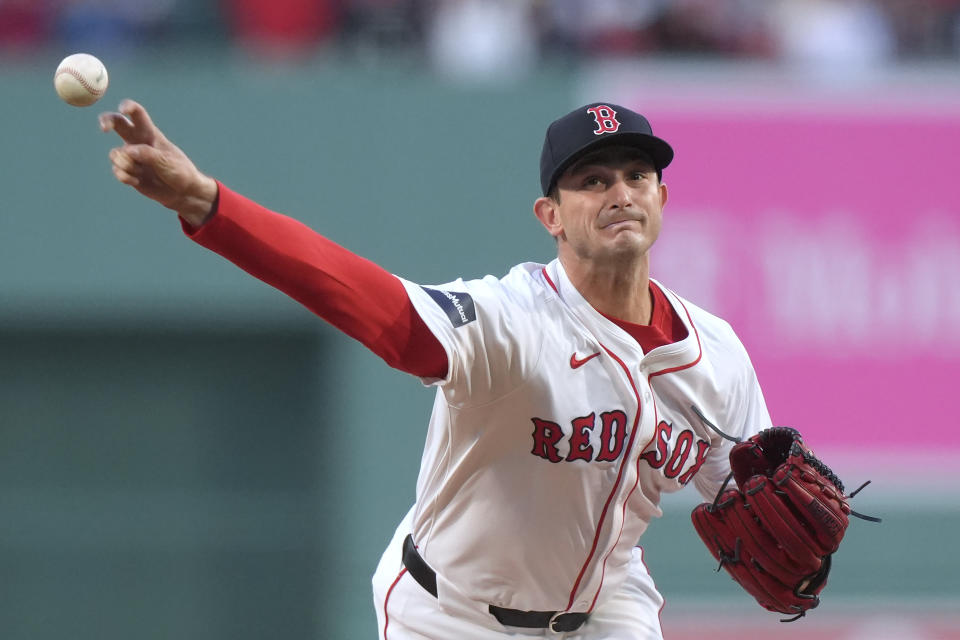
592, 126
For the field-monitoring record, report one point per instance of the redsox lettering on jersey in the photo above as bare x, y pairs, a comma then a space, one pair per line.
600, 437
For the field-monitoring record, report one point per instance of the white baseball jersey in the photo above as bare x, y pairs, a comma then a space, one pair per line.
553, 436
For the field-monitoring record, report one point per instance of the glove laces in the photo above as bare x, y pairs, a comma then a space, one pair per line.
795, 449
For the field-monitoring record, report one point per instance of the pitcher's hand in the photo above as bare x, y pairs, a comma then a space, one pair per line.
156, 167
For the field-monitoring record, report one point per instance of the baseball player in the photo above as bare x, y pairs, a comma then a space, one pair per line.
569, 395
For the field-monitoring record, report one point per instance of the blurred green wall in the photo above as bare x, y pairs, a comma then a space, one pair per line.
186, 453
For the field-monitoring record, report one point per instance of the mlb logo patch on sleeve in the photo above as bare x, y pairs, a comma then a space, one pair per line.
458, 306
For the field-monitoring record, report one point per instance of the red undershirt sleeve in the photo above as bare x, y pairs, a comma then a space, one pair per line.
353, 294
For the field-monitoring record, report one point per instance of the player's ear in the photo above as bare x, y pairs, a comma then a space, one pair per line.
545, 208
663, 195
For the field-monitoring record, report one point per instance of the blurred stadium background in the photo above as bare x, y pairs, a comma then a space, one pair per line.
186, 453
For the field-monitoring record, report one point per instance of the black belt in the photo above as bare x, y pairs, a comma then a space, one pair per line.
427, 578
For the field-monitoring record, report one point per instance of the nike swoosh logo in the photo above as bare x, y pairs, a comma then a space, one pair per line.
576, 363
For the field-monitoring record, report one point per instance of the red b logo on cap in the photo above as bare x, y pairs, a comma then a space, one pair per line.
606, 119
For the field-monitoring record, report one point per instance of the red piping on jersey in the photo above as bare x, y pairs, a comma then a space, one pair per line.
386, 599
656, 420
699, 348
549, 281
616, 484
623, 511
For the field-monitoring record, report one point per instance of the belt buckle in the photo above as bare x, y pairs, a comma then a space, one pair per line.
556, 619
566, 625
553, 620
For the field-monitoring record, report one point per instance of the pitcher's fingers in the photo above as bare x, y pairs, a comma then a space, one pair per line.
140, 118
112, 121
122, 160
144, 154
125, 128
125, 177
131, 123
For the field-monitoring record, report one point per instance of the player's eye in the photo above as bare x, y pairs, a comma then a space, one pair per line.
592, 181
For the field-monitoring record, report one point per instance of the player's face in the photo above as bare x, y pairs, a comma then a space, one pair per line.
609, 206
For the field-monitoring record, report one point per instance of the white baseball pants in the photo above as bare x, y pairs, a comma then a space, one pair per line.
406, 611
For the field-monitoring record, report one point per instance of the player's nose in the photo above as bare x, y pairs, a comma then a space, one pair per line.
620, 194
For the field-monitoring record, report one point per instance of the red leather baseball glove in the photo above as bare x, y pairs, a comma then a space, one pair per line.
776, 532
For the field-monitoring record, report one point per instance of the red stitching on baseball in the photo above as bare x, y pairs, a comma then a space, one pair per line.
79, 77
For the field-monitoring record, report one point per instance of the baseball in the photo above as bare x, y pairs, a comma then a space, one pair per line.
80, 80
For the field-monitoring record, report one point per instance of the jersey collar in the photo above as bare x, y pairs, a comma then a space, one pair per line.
607, 331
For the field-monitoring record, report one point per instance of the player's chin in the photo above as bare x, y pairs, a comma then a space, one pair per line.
628, 244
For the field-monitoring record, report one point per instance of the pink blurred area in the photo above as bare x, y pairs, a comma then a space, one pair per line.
829, 236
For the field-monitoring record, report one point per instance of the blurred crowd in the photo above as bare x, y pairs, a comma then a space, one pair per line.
500, 36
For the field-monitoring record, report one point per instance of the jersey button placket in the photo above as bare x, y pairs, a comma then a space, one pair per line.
645, 381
